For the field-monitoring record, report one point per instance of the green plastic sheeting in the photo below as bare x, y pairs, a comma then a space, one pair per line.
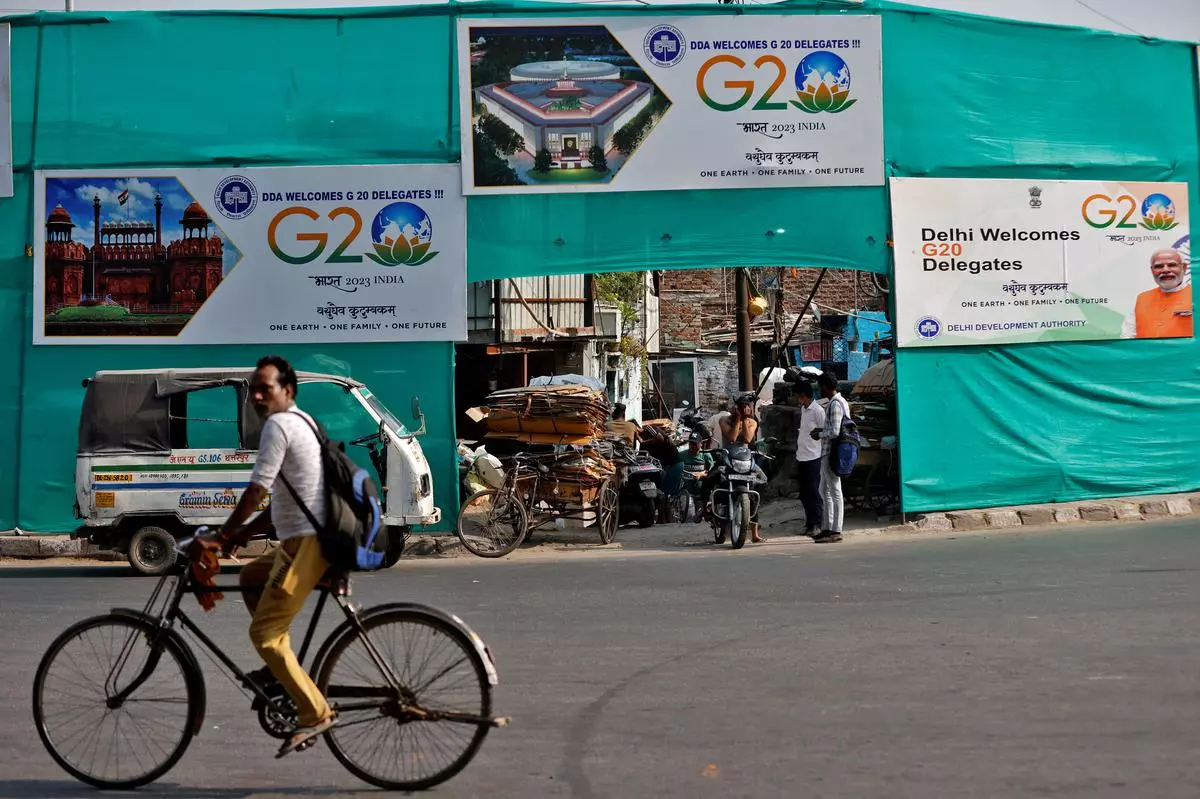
205, 90
964, 97
994, 426
565, 234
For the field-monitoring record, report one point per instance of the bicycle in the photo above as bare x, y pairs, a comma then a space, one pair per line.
392, 699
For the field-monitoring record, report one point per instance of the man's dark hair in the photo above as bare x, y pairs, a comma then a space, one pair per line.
287, 375
827, 380
619, 410
803, 389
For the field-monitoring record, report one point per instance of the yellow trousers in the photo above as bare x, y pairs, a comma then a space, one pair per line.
284, 578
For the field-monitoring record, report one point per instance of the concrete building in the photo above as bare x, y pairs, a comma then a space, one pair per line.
697, 360
522, 328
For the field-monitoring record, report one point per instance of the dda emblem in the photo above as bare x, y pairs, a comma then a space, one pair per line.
665, 45
236, 197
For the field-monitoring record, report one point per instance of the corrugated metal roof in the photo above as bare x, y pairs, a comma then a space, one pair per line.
565, 311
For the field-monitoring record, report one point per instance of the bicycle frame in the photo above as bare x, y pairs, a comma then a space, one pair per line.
172, 613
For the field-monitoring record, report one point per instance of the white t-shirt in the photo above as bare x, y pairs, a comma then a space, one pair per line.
289, 445
811, 418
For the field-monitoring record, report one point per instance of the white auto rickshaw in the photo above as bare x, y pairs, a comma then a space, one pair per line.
164, 451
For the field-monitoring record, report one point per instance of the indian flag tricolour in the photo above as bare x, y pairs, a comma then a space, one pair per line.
123, 197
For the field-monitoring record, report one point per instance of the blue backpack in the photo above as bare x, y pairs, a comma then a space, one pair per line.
353, 537
843, 450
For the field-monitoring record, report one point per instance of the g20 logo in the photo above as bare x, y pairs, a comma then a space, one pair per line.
319, 236
1102, 211
401, 235
822, 81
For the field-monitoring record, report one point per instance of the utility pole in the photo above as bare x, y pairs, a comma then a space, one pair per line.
745, 364
777, 320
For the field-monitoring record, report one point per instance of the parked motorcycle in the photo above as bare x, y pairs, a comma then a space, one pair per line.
734, 502
641, 478
691, 421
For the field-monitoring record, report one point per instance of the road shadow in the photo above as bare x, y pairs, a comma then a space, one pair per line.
70, 789
60, 571
70, 571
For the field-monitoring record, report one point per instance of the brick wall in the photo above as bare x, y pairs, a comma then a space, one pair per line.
694, 300
716, 381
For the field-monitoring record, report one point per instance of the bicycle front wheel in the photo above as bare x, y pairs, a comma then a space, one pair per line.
96, 738
430, 729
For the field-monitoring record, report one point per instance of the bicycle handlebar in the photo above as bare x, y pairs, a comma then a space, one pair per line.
183, 544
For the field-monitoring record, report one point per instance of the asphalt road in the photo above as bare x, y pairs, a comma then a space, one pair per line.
1052, 663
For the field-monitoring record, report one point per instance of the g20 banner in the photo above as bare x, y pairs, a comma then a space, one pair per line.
1009, 261
708, 102
250, 256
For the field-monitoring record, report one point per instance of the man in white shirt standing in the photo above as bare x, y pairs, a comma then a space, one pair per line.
808, 457
836, 410
278, 583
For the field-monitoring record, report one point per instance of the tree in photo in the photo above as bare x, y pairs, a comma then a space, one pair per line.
627, 139
491, 168
541, 161
566, 104
598, 159
507, 140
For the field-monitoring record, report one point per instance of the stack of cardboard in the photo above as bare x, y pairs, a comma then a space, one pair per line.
576, 477
548, 414
664, 426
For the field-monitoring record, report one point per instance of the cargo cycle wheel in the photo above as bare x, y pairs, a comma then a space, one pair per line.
607, 515
491, 524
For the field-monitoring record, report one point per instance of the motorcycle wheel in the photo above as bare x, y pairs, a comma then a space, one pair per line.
739, 515
646, 515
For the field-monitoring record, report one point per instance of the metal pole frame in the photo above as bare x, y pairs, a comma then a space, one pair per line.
758, 386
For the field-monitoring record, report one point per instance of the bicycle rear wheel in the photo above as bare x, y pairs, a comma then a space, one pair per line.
139, 739
428, 731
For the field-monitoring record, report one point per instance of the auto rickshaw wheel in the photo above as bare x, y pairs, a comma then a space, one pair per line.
151, 551
397, 536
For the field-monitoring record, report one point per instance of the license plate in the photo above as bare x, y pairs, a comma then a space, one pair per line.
647, 485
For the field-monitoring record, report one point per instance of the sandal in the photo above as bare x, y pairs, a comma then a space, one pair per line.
304, 737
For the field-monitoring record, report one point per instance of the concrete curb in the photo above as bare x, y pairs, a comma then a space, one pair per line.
35, 546
1124, 509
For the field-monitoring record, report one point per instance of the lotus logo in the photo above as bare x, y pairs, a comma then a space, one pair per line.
1158, 212
823, 83
402, 234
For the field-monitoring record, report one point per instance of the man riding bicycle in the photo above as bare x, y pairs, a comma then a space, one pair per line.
277, 583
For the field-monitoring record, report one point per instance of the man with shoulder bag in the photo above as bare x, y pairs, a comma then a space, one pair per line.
278, 583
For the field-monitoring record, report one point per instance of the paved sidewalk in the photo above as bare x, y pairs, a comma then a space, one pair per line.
781, 521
